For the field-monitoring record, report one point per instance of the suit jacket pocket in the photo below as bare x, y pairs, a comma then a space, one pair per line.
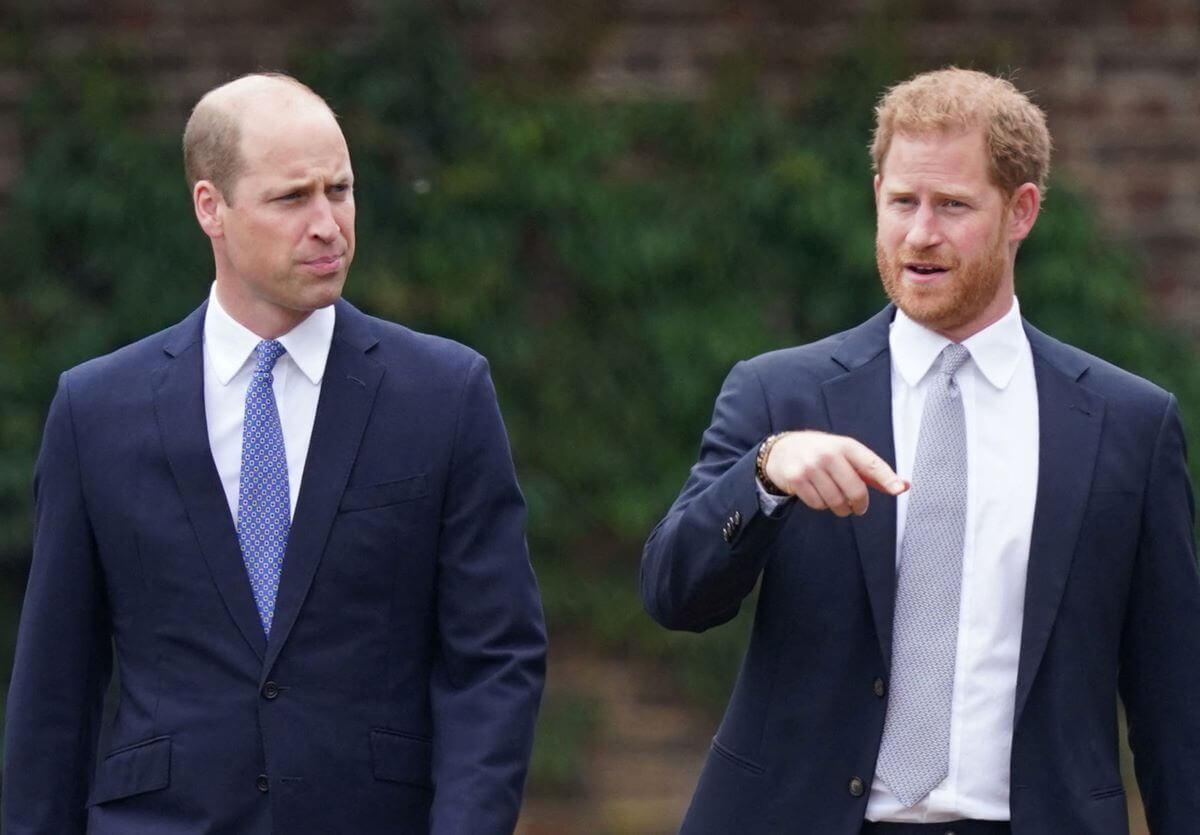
402, 757
381, 495
1105, 793
736, 759
135, 769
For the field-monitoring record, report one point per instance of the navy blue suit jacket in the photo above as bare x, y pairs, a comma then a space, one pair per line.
1112, 599
399, 687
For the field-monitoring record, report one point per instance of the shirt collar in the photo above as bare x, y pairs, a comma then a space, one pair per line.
995, 350
230, 343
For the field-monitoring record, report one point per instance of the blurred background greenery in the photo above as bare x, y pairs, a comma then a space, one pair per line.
612, 258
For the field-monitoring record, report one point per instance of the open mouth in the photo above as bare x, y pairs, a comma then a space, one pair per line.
926, 269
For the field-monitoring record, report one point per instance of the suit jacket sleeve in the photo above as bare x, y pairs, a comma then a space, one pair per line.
692, 576
63, 657
1160, 658
488, 678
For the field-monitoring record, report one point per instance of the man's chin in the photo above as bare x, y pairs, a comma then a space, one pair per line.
934, 320
934, 314
324, 292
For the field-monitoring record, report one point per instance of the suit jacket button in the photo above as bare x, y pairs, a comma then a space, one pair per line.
727, 533
262, 783
856, 786
737, 518
270, 690
878, 687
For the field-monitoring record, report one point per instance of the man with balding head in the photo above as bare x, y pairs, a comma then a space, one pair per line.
298, 526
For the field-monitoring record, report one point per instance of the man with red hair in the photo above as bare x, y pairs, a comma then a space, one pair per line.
943, 656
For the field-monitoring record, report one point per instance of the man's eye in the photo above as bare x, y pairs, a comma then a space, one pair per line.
291, 196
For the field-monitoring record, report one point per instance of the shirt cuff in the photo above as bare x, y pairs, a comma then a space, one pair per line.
770, 504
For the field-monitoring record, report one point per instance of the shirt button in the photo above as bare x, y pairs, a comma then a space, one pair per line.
262, 783
879, 689
270, 690
856, 787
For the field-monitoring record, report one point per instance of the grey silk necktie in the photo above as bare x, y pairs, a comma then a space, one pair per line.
914, 755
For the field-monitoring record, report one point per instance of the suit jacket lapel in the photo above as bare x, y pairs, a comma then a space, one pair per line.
1069, 421
860, 406
347, 394
179, 408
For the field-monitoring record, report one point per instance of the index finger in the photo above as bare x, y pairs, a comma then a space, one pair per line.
873, 469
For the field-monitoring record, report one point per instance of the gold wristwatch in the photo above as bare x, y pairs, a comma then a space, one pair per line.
760, 465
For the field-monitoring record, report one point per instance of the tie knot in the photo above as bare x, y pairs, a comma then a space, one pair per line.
266, 353
954, 356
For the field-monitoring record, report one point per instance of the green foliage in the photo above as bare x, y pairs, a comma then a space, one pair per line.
100, 246
560, 748
613, 260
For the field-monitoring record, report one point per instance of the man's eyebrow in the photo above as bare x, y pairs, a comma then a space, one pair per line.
286, 186
309, 182
964, 195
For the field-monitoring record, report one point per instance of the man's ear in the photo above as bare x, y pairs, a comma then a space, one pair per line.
875, 185
1025, 204
209, 204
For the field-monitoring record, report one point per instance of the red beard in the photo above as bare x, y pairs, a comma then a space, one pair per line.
953, 301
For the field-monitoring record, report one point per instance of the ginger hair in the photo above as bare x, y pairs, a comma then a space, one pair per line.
952, 100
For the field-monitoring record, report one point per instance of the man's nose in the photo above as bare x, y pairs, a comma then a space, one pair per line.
924, 231
323, 225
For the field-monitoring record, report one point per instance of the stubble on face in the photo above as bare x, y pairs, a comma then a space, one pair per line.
949, 305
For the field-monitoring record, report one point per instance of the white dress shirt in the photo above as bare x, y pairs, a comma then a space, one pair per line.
1001, 409
228, 367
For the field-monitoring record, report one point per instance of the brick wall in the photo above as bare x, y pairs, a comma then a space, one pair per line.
1120, 79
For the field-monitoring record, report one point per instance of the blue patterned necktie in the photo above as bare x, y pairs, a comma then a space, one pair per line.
914, 756
264, 504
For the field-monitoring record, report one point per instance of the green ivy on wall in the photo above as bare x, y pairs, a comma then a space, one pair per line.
612, 259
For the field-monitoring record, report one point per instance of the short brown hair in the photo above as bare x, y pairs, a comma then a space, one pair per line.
213, 135
210, 148
953, 99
